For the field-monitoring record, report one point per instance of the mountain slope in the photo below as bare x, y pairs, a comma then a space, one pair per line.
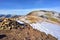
42, 20
23, 32
33, 26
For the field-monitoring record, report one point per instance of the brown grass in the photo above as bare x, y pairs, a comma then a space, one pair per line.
33, 19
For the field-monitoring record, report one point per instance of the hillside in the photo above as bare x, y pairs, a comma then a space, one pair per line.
50, 16
13, 30
36, 25
48, 24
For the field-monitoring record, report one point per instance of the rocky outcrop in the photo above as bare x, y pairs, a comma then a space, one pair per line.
9, 24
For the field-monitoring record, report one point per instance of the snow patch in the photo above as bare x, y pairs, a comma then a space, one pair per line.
20, 22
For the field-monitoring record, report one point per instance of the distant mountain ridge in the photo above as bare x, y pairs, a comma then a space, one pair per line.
8, 16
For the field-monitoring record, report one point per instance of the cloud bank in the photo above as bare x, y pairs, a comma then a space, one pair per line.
26, 11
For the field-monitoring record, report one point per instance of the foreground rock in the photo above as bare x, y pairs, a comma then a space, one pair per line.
8, 24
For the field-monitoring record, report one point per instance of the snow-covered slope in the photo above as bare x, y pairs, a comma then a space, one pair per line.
48, 28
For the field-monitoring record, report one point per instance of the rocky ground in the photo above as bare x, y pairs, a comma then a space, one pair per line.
24, 34
12, 30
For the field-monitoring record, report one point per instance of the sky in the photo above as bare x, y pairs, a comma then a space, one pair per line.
25, 6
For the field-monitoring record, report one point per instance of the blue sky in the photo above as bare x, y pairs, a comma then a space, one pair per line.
24, 6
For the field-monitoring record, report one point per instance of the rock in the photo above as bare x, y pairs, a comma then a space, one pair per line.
9, 24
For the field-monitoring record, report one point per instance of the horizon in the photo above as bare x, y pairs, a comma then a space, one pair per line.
23, 11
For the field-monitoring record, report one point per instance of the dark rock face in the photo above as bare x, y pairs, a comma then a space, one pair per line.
1, 20
2, 36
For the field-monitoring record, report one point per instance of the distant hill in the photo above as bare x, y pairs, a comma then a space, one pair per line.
46, 13
8, 16
49, 15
